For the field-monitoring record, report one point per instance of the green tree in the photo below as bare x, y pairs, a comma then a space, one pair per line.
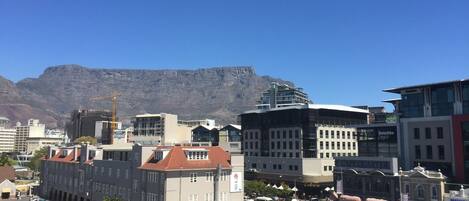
107, 198
84, 139
36, 159
6, 161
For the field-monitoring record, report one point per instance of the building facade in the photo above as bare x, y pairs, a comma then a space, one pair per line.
367, 177
32, 130
282, 95
7, 140
160, 129
379, 139
431, 125
142, 173
298, 143
83, 123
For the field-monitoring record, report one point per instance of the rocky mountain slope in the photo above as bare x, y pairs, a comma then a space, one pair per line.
218, 93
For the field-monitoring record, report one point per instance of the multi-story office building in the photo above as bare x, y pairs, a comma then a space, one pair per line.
367, 177
206, 134
160, 129
379, 139
282, 95
7, 139
135, 173
35, 143
433, 126
298, 143
83, 123
32, 130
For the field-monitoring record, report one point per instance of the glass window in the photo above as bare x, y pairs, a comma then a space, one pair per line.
297, 134
416, 133
441, 152
434, 193
412, 105
429, 152
439, 132
332, 134
442, 101
418, 153
465, 97
428, 133
290, 134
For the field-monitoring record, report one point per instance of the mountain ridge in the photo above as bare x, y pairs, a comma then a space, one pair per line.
220, 93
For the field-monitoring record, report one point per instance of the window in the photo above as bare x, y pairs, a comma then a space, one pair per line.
407, 188
325, 168
420, 191
418, 154
332, 134
434, 193
193, 197
274, 166
327, 145
338, 145
429, 152
416, 133
321, 146
441, 152
284, 145
223, 176
272, 145
208, 176
297, 145
343, 134
279, 167
428, 133
327, 155
332, 145
264, 166
297, 134
320, 134
348, 134
278, 144
272, 134
290, 145
321, 155
193, 176
278, 135
284, 134
439, 132
290, 134
330, 168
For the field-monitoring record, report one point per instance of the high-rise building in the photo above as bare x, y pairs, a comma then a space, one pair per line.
135, 172
32, 130
83, 123
282, 95
7, 136
161, 128
433, 126
299, 142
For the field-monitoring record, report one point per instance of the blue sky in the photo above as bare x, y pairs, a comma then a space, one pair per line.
342, 52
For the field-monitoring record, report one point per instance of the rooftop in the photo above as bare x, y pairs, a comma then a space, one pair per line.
399, 89
313, 106
176, 160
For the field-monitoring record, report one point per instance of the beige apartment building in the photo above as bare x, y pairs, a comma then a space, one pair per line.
32, 130
7, 140
153, 129
142, 173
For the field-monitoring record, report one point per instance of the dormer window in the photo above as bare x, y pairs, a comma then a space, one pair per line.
197, 154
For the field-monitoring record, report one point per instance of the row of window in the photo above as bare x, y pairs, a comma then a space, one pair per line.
336, 134
328, 155
429, 152
428, 133
328, 168
333, 145
223, 196
208, 176
276, 135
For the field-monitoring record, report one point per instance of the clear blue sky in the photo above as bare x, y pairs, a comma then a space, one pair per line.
343, 51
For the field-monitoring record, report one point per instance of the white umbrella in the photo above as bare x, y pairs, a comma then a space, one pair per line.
268, 185
274, 186
294, 189
280, 187
327, 189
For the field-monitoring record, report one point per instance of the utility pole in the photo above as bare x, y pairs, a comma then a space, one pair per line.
216, 181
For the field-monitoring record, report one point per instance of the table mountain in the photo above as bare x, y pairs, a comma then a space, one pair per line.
220, 93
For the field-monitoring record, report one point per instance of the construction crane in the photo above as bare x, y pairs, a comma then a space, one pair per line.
113, 98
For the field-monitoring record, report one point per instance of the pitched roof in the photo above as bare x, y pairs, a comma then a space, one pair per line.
176, 160
70, 158
7, 172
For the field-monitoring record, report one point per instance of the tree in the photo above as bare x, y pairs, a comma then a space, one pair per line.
107, 198
36, 159
84, 139
6, 161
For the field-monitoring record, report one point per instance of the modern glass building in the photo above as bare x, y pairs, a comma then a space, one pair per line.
282, 95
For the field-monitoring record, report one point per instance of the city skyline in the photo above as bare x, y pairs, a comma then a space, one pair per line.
324, 46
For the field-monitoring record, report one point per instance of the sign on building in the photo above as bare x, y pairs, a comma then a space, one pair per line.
236, 182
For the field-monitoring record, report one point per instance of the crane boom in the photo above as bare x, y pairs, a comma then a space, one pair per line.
113, 98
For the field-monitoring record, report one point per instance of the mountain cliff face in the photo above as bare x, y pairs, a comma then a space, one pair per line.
218, 93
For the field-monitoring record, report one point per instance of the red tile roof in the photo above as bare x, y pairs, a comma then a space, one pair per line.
7, 172
70, 158
176, 160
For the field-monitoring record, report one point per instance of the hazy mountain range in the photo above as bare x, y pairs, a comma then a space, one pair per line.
220, 93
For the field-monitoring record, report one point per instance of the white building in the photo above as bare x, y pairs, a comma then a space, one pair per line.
160, 129
7, 139
33, 129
